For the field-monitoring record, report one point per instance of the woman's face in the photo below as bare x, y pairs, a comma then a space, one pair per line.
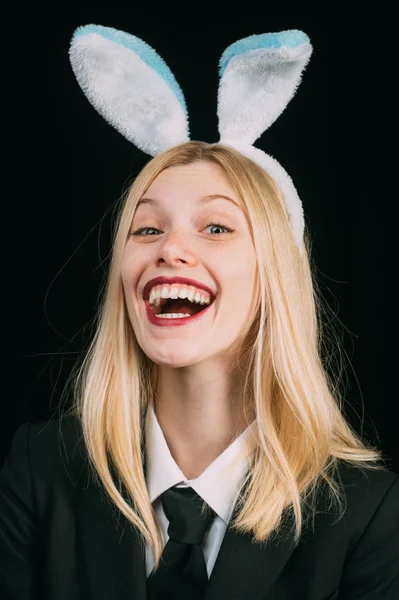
180, 242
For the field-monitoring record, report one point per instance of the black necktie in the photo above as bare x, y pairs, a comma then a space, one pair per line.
182, 572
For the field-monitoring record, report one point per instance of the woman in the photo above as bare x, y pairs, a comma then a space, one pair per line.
206, 454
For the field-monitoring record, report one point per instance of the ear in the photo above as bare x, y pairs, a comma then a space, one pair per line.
258, 77
131, 86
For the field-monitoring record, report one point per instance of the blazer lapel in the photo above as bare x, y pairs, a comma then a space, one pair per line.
111, 557
244, 569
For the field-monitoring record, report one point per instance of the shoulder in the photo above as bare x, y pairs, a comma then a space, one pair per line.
45, 436
64, 433
366, 537
370, 501
366, 486
47, 447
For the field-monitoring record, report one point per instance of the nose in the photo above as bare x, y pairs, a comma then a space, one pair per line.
176, 248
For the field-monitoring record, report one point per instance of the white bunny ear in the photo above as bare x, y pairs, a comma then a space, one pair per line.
258, 77
131, 86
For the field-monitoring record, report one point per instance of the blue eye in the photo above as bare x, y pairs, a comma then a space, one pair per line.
139, 231
220, 226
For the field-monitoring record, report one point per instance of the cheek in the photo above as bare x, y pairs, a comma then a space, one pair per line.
237, 275
241, 301
129, 274
241, 266
134, 261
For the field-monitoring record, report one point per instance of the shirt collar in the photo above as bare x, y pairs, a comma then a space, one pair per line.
218, 485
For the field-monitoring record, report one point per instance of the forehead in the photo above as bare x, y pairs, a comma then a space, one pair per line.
197, 179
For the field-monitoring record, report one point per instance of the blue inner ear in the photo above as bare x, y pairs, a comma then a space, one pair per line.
142, 49
289, 39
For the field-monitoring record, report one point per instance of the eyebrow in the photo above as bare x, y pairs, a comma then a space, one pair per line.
199, 201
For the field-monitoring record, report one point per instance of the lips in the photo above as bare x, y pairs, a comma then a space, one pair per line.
169, 280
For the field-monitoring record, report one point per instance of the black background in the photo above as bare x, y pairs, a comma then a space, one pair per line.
71, 168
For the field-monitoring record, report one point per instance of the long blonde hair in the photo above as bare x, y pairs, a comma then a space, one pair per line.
301, 431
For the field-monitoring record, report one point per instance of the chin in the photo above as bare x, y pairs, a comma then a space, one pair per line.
175, 359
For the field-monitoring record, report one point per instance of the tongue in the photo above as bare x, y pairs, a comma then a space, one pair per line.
183, 306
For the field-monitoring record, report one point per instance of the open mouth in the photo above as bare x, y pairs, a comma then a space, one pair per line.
178, 305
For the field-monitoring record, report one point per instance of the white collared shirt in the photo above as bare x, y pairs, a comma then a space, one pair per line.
218, 485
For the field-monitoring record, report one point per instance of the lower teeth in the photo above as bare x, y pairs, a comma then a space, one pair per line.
173, 316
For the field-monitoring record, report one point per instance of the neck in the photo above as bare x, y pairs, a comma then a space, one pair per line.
201, 412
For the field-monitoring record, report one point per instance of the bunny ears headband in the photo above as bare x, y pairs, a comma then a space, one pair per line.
131, 86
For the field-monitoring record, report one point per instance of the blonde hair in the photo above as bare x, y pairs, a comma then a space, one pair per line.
301, 432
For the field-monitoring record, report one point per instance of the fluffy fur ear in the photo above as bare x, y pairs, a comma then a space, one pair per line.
292, 201
258, 77
131, 86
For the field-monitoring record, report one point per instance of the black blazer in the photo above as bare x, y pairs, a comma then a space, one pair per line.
61, 539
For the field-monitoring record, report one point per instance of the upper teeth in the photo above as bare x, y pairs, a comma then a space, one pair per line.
177, 290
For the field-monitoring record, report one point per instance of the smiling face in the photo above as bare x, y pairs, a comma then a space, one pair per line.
180, 242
